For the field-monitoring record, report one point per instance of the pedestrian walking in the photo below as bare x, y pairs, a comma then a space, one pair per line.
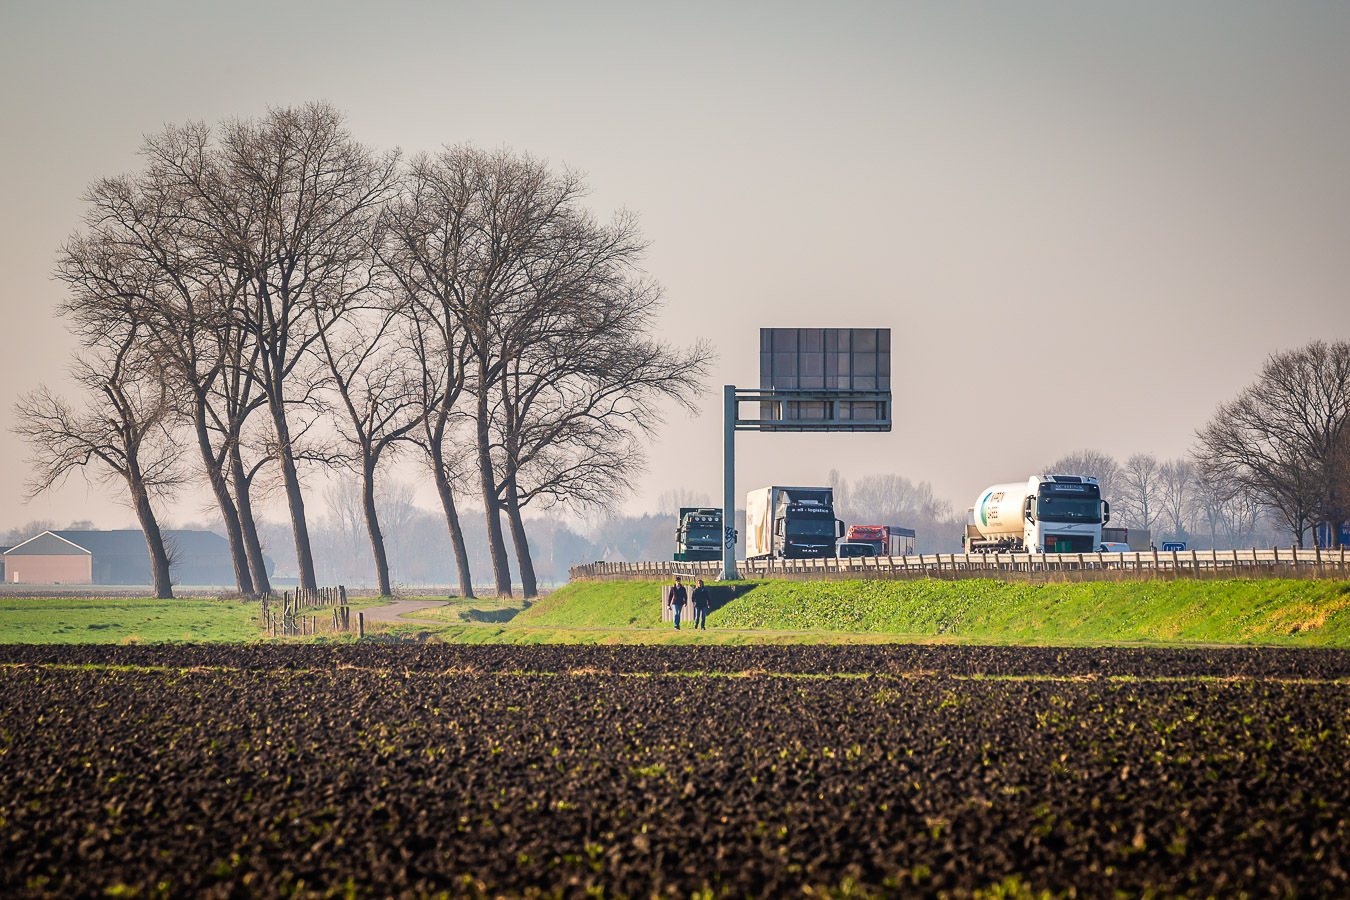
702, 603
678, 595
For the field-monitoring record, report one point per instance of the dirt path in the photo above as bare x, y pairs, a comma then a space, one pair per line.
393, 611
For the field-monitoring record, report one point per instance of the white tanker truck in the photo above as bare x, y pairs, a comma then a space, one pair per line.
1044, 514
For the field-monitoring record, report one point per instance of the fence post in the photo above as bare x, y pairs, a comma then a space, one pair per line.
361, 622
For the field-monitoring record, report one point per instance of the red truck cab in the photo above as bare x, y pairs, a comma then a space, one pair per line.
888, 540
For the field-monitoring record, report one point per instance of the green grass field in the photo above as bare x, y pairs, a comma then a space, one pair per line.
1239, 611
85, 620
100, 620
1264, 611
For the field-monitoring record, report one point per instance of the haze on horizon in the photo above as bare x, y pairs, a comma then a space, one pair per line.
1085, 225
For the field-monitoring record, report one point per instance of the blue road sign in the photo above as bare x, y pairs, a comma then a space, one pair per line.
1173, 546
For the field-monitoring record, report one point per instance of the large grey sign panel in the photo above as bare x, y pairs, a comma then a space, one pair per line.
856, 359
825, 359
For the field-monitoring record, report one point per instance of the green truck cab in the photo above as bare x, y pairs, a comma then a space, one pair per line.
699, 535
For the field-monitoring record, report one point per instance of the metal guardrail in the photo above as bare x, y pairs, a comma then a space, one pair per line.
1315, 562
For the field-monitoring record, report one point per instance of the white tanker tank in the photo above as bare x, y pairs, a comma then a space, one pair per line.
1044, 514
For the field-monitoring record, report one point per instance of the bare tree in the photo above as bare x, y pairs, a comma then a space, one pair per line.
1176, 495
439, 354
31, 529
1281, 438
891, 499
572, 411
238, 399
1337, 512
398, 512
122, 435
342, 534
182, 293
670, 502
544, 311
1140, 489
886, 499
842, 495
291, 201
450, 253
1090, 463
1228, 509
378, 407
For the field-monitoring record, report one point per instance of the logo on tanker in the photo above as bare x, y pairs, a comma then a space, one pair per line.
984, 506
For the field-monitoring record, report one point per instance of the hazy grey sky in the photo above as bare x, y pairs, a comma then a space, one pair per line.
1085, 224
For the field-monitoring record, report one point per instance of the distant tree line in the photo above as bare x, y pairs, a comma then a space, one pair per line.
270, 294
1273, 461
890, 499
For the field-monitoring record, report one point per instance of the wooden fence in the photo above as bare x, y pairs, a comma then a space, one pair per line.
1314, 563
298, 613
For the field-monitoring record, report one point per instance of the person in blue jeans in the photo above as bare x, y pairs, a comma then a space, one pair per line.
702, 603
678, 595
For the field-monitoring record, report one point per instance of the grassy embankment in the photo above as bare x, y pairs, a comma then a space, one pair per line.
1262, 611
95, 620
1238, 611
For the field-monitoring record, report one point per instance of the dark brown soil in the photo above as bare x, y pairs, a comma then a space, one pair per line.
414, 771
871, 659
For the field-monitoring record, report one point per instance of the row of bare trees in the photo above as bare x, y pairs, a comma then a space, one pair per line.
1280, 451
278, 295
892, 499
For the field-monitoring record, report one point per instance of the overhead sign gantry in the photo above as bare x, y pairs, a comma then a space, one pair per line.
810, 379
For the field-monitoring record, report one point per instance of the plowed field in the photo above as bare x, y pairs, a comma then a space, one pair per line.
412, 771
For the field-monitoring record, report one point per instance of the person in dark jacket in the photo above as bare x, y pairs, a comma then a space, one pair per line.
702, 604
678, 595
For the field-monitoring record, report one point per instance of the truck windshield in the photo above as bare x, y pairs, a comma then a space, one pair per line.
702, 534
811, 527
1059, 508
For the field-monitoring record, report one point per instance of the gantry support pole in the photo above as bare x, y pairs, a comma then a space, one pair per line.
729, 483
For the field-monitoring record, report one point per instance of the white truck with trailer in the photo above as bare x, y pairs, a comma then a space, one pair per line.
1044, 514
791, 523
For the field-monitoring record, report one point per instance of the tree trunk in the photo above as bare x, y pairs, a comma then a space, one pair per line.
501, 568
373, 528
452, 522
215, 473
529, 588
304, 557
154, 540
256, 564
